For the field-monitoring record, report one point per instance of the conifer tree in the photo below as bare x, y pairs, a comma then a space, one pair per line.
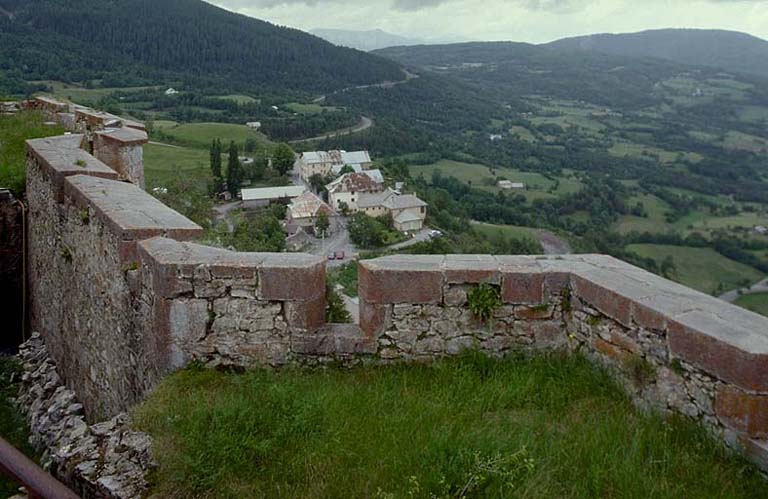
234, 173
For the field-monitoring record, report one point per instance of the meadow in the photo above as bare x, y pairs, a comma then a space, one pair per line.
756, 303
472, 427
700, 268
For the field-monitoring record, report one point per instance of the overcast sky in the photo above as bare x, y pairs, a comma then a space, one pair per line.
519, 20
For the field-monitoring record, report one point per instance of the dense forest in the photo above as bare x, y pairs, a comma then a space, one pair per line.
134, 42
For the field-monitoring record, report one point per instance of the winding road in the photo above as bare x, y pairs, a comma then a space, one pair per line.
365, 124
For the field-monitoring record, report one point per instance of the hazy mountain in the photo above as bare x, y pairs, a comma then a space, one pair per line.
130, 41
728, 50
364, 40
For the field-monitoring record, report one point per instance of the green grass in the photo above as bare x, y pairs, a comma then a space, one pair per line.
471, 427
15, 130
756, 303
13, 427
480, 176
513, 231
164, 164
200, 135
700, 268
85, 96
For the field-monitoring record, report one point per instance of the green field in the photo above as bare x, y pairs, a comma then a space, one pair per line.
473, 427
200, 135
700, 268
164, 164
240, 99
82, 95
513, 231
756, 303
480, 176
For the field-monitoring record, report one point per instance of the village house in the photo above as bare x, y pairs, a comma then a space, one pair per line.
408, 212
346, 190
331, 162
304, 211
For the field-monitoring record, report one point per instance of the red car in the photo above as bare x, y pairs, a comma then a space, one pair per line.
340, 255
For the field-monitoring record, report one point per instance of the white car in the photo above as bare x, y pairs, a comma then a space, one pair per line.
435, 233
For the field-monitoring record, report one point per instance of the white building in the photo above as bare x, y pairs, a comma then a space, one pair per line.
171, 91
347, 189
508, 184
408, 211
254, 125
304, 211
331, 162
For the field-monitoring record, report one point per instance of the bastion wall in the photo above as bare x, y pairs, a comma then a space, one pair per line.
122, 294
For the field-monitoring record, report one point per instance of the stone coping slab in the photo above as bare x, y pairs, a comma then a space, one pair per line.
61, 157
129, 212
125, 136
294, 277
719, 337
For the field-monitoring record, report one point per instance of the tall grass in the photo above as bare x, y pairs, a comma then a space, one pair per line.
470, 427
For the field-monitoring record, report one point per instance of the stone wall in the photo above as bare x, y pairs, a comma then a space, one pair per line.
121, 298
674, 349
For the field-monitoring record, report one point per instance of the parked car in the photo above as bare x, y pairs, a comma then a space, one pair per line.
435, 233
331, 256
340, 255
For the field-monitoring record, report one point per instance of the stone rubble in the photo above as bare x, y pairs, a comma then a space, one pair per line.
104, 460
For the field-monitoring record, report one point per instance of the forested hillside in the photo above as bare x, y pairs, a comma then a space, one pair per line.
134, 42
726, 50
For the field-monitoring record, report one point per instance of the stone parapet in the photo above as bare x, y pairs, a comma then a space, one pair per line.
674, 349
122, 150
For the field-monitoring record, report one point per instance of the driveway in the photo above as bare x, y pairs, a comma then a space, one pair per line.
420, 237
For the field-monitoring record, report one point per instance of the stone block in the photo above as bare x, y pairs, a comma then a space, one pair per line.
541, 312
722, 349
757, 451
455, 296
608, 349
374, 319
742, 411
457, 345
549, 335
291, 278
522, 288
188, 322
405, 280
306, 315
334, 339
471, 269
604, 299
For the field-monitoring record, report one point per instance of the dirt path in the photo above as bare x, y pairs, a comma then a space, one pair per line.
364, 124
553, 244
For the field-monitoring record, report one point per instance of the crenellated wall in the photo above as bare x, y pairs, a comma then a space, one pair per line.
122, 295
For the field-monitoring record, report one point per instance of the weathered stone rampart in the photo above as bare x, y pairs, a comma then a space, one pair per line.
675, 349
122, 295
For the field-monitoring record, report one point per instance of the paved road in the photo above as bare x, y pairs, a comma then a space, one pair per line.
364, 124
386, 84
353, 307
732, 296
422, 236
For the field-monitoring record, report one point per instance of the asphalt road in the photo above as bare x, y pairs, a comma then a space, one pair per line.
732, 296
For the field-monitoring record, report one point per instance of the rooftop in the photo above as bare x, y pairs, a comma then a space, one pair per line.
270, 193
309, 205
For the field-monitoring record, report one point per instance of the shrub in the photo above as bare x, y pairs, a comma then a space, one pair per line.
483, 300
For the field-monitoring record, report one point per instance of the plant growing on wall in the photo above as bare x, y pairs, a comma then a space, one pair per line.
483, 300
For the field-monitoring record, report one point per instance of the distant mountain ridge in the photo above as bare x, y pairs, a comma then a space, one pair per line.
728, 50
130, 41
365, 40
